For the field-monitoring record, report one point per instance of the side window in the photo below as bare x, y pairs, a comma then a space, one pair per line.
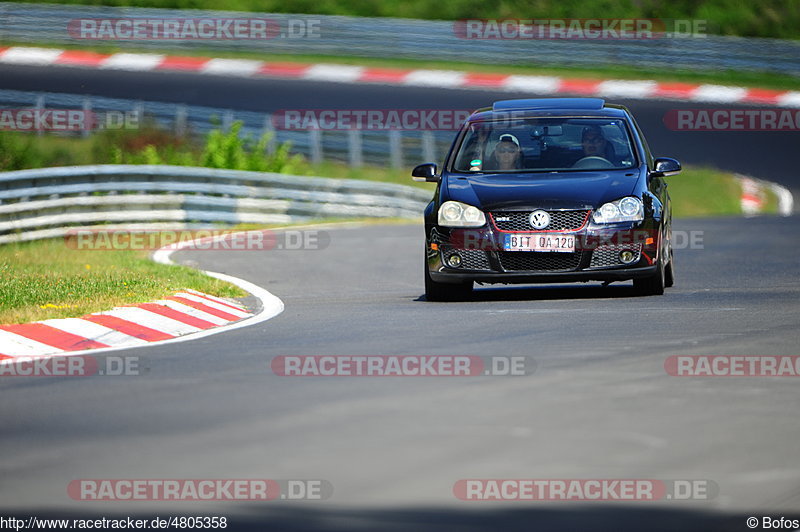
647, 151
617, 136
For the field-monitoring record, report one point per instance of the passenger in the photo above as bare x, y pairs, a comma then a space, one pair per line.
507, 153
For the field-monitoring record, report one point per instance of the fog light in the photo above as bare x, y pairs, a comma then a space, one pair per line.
627, 256
454, 260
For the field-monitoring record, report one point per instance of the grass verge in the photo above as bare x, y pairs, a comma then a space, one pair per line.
48, 279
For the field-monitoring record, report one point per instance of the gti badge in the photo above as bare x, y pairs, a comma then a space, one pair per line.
539, 219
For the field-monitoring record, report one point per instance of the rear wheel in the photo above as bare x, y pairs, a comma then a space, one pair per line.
445, 291
653, 285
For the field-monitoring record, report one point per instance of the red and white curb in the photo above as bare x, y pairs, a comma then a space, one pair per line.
637, 89
184, 313
184, 316
754, 196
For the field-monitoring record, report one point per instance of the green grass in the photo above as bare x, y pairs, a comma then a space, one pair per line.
700, 192
763, 18
48, 279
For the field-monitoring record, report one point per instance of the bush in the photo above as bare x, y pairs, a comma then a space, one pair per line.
220, 150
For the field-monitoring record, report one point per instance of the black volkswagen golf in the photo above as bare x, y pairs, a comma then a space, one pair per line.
548, 191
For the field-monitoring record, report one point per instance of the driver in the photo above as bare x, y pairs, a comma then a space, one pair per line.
595, 145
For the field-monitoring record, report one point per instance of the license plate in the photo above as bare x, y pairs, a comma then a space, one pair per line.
540, 242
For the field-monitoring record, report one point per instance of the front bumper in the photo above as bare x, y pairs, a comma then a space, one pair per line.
596, 258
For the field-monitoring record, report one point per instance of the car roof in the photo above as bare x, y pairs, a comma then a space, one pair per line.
541, 107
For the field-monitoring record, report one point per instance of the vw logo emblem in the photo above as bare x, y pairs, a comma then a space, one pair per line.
539, 219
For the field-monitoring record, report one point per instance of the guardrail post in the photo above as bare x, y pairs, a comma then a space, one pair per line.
87, 110
272, 143
428, 147
227, 120
354, 151
315, 145
181, 116
395, 148
39, 107
138, 111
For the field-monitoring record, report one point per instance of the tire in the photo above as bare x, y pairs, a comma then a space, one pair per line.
444, 291
653, 285
669, 273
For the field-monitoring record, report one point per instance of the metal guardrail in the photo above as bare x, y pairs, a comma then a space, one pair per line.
48, 202
387, 37
355, 147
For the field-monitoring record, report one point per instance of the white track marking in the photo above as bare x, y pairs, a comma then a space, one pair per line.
151, 320
535, 84
618, 88
191, 311
213, 304
232, 67
718, 94
789, 99
220, 300
21, 55
340, 73
24, 346
138, 62
94, 331
435, 78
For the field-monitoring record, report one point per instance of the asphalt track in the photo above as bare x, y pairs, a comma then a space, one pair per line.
599, 405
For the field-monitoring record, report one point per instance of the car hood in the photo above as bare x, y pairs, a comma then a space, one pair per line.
553, 190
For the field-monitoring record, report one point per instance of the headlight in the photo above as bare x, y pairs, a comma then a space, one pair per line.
628, 209
457, 214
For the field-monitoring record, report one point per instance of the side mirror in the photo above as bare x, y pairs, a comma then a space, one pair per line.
664, 166
425, 173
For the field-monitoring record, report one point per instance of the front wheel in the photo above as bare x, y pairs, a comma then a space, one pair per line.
669, 273
653, 285
445, 291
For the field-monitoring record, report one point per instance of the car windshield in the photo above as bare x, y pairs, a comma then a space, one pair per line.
545, 145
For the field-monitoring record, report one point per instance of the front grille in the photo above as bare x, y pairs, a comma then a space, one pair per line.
559, 220
533, 261
471, 259
605, 256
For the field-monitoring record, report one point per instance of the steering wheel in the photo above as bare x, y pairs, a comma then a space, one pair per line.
593, 161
